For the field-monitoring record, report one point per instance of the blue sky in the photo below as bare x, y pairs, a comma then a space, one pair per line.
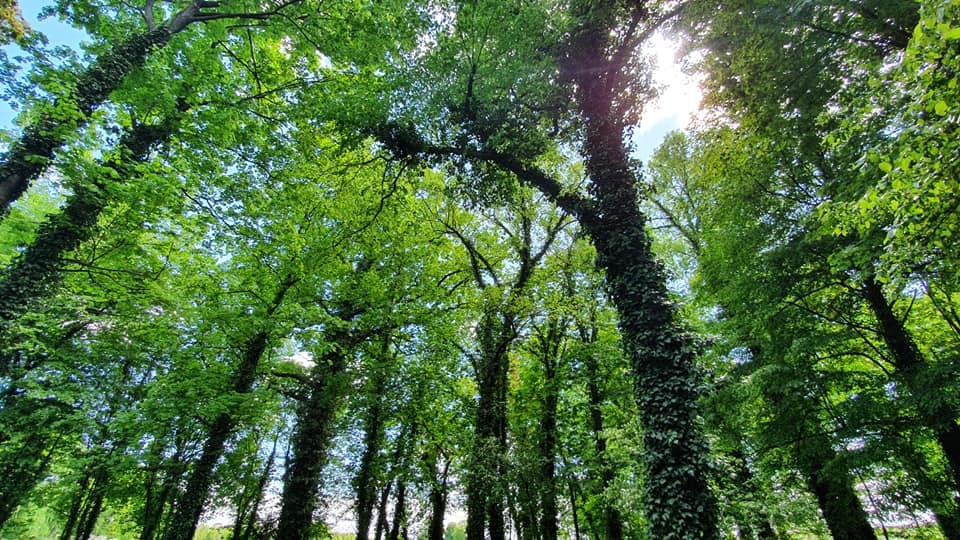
58, 32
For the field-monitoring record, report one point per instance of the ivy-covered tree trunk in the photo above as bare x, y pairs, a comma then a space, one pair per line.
190, 504
366, 480
315, 423
36, 270
678, 498
24, 460
485, 501
30, 155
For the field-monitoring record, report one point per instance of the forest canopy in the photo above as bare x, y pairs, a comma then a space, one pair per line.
302, 269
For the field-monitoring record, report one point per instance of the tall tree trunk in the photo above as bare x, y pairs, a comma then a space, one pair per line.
438, 499
382, 511
612, 523
76, 507
315, 423
22, 471
550, 344
246, 519
154, 506
30, 155
678, 498
399, 510
831, 483
574, 510
36, 271
909, 362
485, 503
366, 480
94, 503
190, 504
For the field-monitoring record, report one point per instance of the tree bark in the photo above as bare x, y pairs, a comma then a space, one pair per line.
33, 274
831, 483
366, 480
612, 523
485, 503
550, 342
190, 504
76, 507
315, 422
93, 504
678, 498
909, 362
399, 510
438, 500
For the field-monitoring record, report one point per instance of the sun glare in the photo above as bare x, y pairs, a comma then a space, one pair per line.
679, 94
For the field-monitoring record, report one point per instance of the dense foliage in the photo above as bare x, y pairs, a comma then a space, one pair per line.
298, 269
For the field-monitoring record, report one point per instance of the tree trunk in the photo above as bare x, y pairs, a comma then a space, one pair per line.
30, 155
246, 519
550, 345
366, 480
399, 510
678, 498
382, 511
574, 509
485, 503
831, 483
611, 522
190, 504
315, 422
94, 504
75, 508
37, 270
909, 362
438, 501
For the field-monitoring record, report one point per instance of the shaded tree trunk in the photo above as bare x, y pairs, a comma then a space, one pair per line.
438, 500
315, 422
831, 483
190, 504
678, 498
550, 342
909, 362
611, 522
36, 271
574, 510
399, 511
366, 480
74, 514
246, 519
93, 505
382, 511
485, 501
